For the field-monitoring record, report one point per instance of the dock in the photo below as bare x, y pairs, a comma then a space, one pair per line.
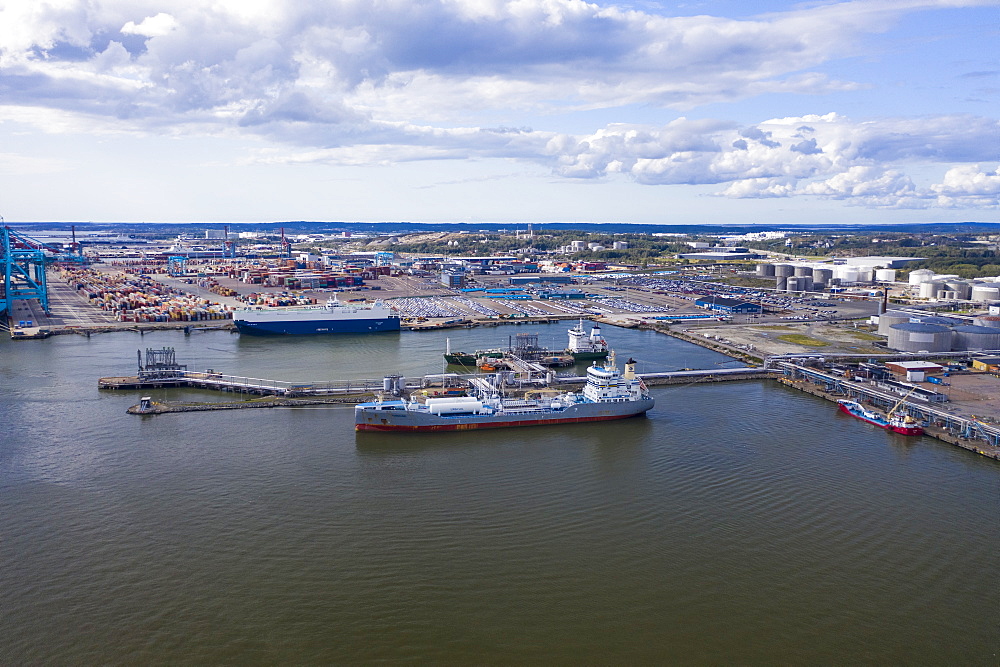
968, 433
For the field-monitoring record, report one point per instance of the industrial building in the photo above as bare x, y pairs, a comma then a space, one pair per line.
729, 306
987, 364
722, 254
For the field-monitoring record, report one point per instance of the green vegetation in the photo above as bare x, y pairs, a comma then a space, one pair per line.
801, 339
861, 335
643, 249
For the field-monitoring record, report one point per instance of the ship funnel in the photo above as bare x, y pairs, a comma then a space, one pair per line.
630, 369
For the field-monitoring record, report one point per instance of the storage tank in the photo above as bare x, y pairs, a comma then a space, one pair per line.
866, 274
921, 276
890, 317
961, 288
985, 292
968, 337
785, 270
765, 270
392, 384
781, 283
930, 289
992, 321
847, 274
456, 408
822, 276
919, 337
799, 284
802, 271
446, 400
885, 275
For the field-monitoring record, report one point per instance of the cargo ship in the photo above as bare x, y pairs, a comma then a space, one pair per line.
608, 394
895, 422
332, 318
581, 348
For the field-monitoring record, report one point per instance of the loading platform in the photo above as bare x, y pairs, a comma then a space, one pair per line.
967, 432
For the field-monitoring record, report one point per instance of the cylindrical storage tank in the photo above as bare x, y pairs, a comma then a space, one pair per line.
930, 289
987, 321
920, 276
765, 270
866, 274
792, 285
961, 288
455, 408
822, 276
449, 400
806, 283
985, 292
919, 337
847, 274
889, 318
801, 271
781, 283
785, 270
885, 275
967, 337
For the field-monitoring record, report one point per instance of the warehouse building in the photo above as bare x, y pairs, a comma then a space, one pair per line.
729, 306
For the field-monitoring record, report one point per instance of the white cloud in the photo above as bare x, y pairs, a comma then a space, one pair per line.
968, 186
152, 26
352, 83
827, 156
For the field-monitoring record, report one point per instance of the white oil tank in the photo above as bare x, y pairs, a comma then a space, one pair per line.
985, 292
921, 276
930, 289
885, 275
455, 408
847, 274
961, 288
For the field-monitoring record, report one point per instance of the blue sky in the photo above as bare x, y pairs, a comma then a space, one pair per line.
500, 111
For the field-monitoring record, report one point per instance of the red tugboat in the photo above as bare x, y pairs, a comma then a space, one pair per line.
895, 421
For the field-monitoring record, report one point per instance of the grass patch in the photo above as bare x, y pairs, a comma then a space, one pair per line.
772, 327
860, 335
801, 339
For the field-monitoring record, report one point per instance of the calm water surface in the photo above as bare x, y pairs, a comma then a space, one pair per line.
739, 523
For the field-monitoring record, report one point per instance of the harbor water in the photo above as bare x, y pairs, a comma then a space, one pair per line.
737, 523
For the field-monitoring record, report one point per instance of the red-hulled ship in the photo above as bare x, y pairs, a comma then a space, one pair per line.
895, 422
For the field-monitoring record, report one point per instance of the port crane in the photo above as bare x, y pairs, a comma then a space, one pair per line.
24, 260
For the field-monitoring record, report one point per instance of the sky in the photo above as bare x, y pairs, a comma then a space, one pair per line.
698, 112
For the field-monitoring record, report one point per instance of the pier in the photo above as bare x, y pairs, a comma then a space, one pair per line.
968, 433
